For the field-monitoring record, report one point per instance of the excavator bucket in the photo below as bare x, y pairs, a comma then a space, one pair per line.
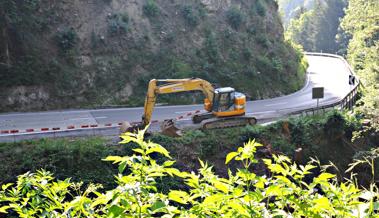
168, 128
127, 127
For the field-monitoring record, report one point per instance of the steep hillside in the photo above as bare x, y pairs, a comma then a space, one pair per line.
72, 53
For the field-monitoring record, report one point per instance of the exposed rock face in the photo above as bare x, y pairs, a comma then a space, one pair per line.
26, 97
215, 5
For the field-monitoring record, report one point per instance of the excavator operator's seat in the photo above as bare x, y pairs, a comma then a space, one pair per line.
224, 99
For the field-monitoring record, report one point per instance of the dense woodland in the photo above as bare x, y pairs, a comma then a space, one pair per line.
316, 28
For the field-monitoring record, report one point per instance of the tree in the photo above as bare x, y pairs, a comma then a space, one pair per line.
361, 23
317, 28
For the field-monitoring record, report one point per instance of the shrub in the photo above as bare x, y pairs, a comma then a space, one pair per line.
67, 39
118, 23
189, 15
150, 9
262, 40
277, 64
283, 193
235, 17
211, 48
261, 10
247, 53
334, 124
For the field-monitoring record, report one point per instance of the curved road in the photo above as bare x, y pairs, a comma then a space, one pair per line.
328, 72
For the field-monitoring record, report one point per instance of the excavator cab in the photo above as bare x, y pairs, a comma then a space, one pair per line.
228, 102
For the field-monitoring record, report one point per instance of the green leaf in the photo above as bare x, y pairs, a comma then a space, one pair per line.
168, 163
115, 159
5, 186
4, 209
325, 176
237, 206
115, 211
179, 196
159, 149
221, 186
214, 199
230, 156
122, 167
138, 150
157, 205
322, 204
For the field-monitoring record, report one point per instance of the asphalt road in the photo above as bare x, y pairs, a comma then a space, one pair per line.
330, 73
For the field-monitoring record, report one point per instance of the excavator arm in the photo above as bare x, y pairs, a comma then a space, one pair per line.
173, 86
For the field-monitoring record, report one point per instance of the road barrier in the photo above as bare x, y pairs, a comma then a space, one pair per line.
345, 103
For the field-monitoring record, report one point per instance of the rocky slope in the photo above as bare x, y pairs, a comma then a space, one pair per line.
72, 53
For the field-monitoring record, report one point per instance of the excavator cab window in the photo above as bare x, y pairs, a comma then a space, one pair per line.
223, 99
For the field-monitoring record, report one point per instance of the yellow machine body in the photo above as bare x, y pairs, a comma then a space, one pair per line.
221, 102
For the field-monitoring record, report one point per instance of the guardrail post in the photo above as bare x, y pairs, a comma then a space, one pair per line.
351, 101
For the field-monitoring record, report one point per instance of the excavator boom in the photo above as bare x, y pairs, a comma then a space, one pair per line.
174, 86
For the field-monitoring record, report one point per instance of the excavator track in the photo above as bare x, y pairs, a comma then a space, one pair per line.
220, 123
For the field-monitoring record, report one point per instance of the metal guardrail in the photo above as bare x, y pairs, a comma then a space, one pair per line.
345, 103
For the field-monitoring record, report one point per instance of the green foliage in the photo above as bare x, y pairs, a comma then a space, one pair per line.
317, 28
243, 194
21, 13
211, 48
192, 19
118, 23
79, 159
150, 9
235, 17
361, 24
67, 39
277, 64
260, 9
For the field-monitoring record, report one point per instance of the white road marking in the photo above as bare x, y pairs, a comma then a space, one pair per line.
101, 117
263, 112
280, 103
83, 118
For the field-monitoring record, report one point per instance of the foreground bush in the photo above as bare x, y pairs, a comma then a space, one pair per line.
244, 194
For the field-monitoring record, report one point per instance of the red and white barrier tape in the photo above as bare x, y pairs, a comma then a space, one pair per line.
82, 126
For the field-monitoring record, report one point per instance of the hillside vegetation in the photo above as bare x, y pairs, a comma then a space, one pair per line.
361, 24
327, 137
60, 54
286, 189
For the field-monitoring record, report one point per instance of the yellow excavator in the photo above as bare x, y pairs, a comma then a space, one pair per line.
224, 107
